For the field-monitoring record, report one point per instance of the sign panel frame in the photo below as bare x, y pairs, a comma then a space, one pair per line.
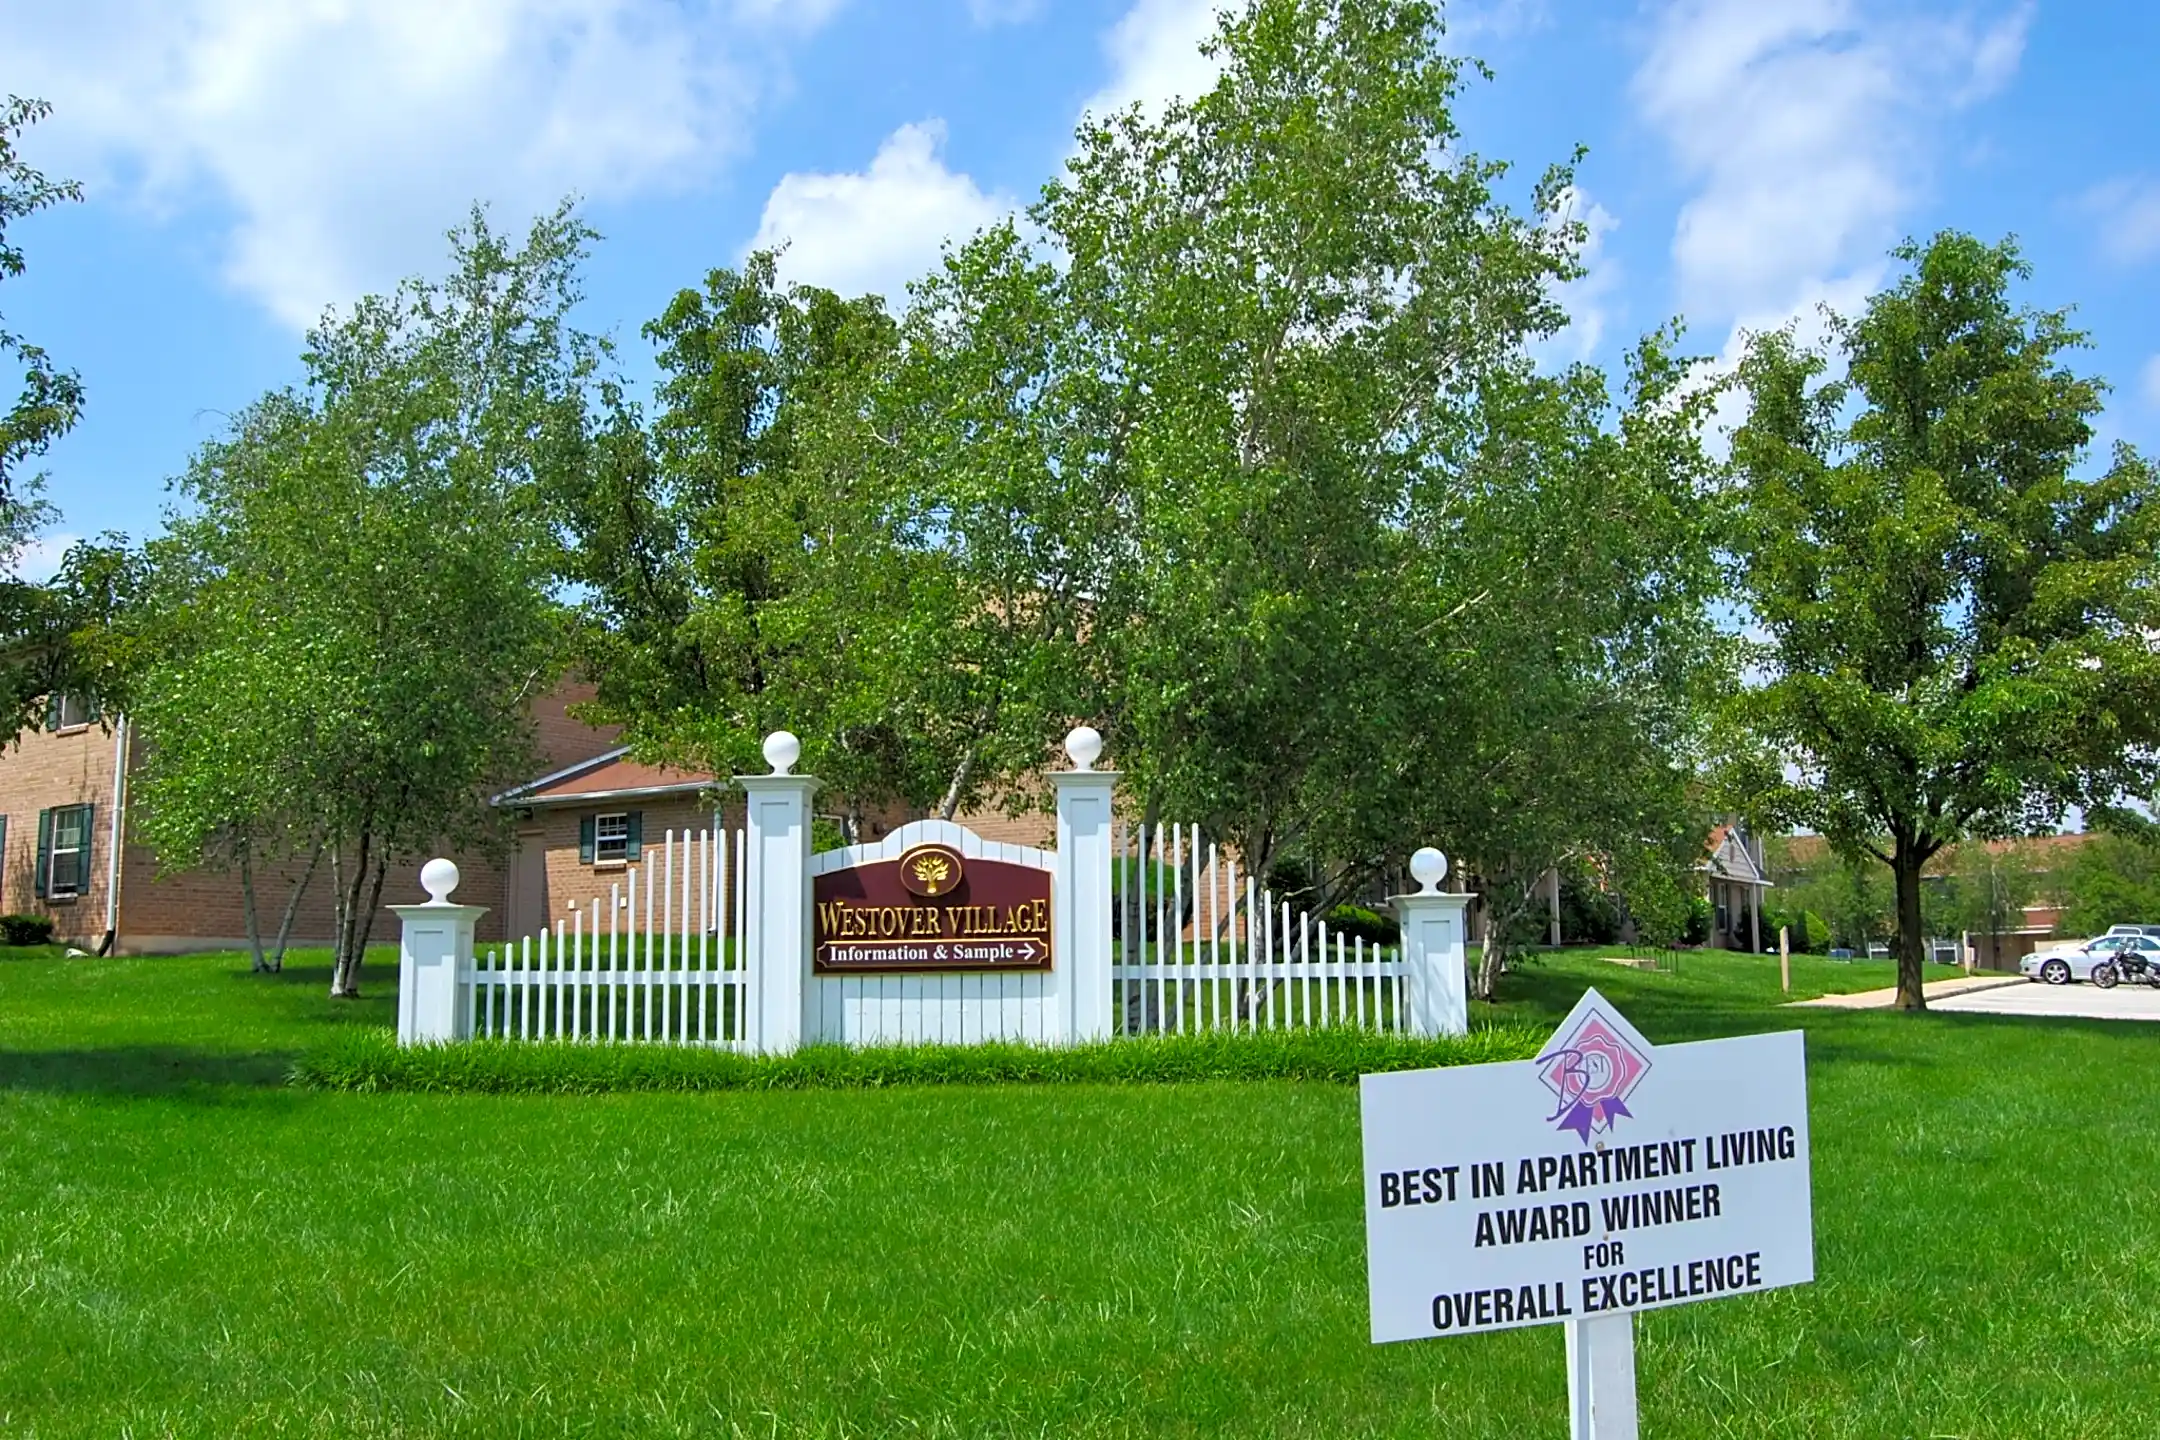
1603, 1177
933, 911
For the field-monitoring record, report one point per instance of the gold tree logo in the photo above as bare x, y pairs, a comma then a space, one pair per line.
931, 870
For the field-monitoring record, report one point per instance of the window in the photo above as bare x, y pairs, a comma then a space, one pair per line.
69, 712
611, 839
64, 852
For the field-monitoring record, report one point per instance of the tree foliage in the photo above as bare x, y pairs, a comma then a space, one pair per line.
51, 399
1959, 612
348, 623
1236, 449
2109, 880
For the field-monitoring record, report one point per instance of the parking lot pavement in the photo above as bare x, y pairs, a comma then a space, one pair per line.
2086, 1002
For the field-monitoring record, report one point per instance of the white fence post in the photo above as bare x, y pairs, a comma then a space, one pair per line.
435, 954
776, 898
1081, 894
1432, 950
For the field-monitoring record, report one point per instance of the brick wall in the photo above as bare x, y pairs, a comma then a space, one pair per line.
562, 880
43, 771
1039, 831
203, 909
564, 741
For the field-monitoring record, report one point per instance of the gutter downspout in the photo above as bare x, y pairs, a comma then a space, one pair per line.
111, 942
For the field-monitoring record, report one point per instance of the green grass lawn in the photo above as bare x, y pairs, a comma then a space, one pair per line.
189, 1246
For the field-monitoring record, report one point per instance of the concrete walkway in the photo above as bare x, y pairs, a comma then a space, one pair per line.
1936, 990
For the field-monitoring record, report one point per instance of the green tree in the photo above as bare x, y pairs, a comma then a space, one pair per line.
1236, 450
51, 400
1288, 356
1958, 615
37, 621
1989, 887
347, 626
2110, 880
756, 557
1298, 283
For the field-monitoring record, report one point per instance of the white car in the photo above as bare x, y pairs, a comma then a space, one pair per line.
2065, 963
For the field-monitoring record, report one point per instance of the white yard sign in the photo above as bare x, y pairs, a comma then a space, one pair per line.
1604, 1177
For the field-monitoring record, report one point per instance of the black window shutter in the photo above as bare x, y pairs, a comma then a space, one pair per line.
53, 703
637, 834
585, 839
44, 850
89, 835
3, 859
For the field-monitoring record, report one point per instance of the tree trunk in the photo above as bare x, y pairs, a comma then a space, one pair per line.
247, 907
344, 969
362, 930
951, 803
337, 908
292, 908
1490, 964
1906, 862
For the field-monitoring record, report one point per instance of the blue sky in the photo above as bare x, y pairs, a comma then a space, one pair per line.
248, 162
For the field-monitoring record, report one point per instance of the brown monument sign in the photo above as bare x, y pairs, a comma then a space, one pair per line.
933, 910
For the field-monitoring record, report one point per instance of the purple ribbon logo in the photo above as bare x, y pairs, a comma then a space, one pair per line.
1591, 1072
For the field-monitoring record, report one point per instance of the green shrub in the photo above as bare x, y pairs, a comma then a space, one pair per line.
1588, 915
25, 930
1697, 931
1355, 922
371, 1060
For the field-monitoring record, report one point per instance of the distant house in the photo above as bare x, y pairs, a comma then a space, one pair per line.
1735, 879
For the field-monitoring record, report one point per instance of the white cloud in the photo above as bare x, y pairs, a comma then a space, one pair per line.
1589, 299
1805, 125
39, 560
873, 231
1808, 316
2129, 214
1808, 129
1155, 55
1004, 12
1493, 20
337, 139
2149, 382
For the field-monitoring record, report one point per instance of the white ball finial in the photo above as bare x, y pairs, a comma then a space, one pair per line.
782, 750
438, 877
1084, 745
1428, 867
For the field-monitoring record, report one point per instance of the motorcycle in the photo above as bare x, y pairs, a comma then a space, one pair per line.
2126, 965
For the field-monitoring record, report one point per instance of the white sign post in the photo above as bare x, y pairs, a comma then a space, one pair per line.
1604, 1177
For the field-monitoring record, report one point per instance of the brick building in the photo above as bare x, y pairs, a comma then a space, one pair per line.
66, 851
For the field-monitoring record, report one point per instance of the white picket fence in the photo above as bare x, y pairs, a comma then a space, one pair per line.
1202, 948
707, 942
657, 959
